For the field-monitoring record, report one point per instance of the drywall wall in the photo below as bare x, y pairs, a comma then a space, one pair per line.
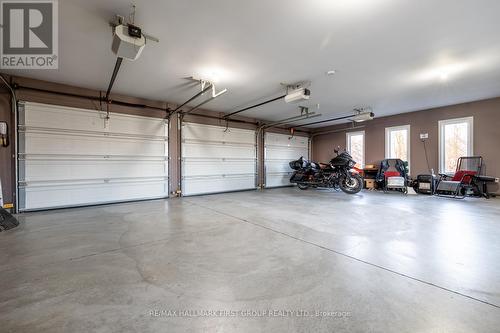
486, 115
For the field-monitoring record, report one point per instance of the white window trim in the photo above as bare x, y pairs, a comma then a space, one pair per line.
348, 141
408, 141
470, 138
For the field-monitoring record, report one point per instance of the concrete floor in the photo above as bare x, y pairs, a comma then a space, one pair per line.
372, 262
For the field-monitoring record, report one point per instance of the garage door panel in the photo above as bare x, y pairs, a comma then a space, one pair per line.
218, 167
75, 194
208, 133
217, 184
217, 160
207, 150
49, 143
280, 149
278, 166
71, 157
285, 140
135, 125
44, 116
57, 117
42, 170
286, 153
278, 179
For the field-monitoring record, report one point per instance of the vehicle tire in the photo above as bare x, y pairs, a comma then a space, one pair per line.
303, 186
351, 184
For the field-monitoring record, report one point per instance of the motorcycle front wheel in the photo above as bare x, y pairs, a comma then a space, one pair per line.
351, 184
303, 186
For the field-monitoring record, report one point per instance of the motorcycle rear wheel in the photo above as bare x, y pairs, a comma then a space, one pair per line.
351, 184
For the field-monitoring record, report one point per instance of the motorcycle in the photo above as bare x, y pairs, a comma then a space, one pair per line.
340, 173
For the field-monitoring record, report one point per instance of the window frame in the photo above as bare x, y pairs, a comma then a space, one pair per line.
348, 145
388, 131
441, 132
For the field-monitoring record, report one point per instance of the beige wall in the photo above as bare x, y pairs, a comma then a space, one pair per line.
486, 115
6, 161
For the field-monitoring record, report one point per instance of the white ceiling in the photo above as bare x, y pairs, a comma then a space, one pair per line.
393, 55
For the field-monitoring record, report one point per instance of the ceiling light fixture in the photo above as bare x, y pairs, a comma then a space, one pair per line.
215, 74
444, 72
331, 72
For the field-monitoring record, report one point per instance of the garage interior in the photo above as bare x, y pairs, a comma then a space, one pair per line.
152, 173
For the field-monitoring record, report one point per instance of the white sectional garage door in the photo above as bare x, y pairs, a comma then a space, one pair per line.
72, 157
280, 149
217, 160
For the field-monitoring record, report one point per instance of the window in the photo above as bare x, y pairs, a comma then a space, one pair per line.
397, 142
455, 140
356, 147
